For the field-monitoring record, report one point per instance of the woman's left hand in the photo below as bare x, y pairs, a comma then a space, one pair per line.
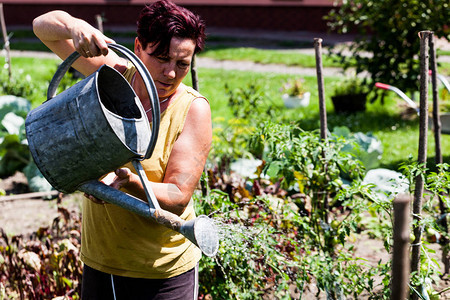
120, 178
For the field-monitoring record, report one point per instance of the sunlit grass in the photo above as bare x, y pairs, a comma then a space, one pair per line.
399, 137
39, 71
267, 56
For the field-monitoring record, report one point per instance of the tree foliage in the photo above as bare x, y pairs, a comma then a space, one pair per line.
388, 44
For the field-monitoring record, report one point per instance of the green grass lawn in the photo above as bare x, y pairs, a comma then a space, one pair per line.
266, 56
399, 137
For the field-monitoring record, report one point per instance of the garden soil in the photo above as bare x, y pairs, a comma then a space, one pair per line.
23, 217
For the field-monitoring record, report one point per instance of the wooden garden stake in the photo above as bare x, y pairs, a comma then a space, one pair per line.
322, 112
400, 255
6, 40
99, 20
437, 143
194, 74
319, 71
436, 118
422, 156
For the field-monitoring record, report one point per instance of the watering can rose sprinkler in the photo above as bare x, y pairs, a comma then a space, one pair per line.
97, 126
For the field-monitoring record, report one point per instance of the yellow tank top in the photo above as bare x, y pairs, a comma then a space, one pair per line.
120, 242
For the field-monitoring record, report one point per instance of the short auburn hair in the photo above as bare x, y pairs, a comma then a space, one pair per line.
159, 22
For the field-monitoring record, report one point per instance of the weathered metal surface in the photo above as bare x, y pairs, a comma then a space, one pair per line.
114, 196
88, 130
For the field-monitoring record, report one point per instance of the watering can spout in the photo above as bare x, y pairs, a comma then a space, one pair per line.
201, 231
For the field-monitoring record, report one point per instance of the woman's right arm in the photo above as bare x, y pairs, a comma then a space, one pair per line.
64, 34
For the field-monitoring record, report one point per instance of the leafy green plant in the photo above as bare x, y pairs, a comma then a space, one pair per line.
14, 152
294, 88
301, 158
387, 44
349, 95
444, 100
368, 149
19, 84
275, 227
255, 258
437, 185
349, 86
249, 105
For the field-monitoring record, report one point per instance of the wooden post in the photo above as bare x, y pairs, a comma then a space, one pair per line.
6, 40
436, 117
422, 155
99, 20
194, 74
400, 255
437, 143
323, 114
322, 106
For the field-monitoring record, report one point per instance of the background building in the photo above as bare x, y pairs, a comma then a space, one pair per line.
277, 15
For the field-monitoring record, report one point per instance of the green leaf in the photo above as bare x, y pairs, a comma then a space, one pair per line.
36, 181
12, 123
18, 105
273, 169
14, 155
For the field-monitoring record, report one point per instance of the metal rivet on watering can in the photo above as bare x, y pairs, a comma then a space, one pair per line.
97, 126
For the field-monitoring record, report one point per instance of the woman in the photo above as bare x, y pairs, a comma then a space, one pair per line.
127, 256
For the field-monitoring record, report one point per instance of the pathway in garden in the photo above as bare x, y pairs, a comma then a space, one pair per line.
204, 62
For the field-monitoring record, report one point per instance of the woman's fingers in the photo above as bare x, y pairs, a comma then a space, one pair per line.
101, 44
116, 179
123, 173
94, 199
122, 178
90, 42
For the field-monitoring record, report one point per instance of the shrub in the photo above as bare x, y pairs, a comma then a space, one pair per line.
388, 45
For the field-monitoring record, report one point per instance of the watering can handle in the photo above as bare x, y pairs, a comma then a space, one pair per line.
146, 77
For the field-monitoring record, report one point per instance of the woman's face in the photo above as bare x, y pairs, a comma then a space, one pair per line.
167, 71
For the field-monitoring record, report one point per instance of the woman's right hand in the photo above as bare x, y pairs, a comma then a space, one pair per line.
64, 34
89, 41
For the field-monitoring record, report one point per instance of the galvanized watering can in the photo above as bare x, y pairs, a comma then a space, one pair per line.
95, 127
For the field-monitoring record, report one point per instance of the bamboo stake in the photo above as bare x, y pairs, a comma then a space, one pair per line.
438, 152
422, 155
400, 255
6, 39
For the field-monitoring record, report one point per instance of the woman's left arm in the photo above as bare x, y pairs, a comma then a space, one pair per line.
188, 158
186, 162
